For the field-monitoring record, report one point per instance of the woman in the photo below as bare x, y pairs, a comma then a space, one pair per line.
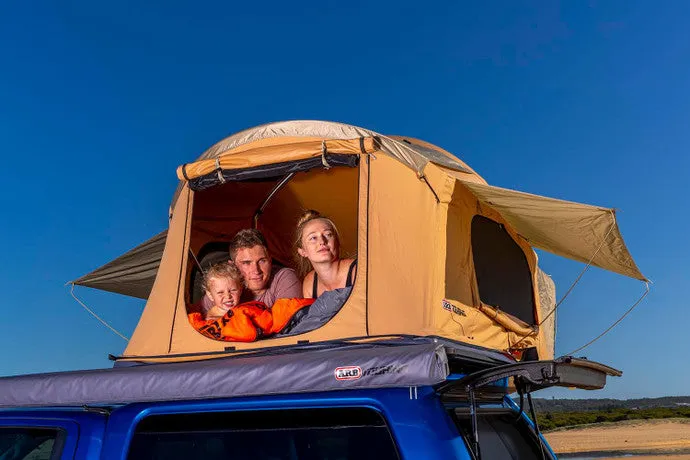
318, 256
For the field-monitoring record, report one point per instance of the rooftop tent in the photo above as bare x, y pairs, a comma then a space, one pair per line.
440, 252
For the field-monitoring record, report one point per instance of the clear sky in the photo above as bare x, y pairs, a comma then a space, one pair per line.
101, 101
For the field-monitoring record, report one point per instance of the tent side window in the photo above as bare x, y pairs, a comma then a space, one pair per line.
502, 271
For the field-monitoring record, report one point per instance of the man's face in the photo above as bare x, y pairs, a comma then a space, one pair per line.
255, 265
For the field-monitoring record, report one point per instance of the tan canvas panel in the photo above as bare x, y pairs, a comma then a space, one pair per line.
487, 327
403, 232
152, 334
547, 303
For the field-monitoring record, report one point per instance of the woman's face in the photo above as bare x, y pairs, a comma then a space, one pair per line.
319, 242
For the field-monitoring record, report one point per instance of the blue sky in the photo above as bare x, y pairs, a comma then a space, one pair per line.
100, 102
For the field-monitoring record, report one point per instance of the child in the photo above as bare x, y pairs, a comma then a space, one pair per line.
223, 287
227, 319
230, 321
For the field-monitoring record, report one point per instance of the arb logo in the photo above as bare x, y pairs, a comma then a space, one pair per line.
348, 373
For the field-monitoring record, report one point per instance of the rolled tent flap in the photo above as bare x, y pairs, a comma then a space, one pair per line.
273, 154
577, 231
133, 273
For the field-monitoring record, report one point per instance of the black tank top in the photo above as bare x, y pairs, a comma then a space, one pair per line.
348, 281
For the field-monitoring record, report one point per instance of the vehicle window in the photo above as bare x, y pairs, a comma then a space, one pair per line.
304, 434
501, 435
28, 443
503, 274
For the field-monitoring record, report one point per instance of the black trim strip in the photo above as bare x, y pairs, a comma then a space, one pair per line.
366, 293
271, 170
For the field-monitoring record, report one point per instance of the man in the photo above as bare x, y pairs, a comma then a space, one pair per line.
249, 251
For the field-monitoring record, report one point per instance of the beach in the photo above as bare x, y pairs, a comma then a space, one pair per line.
644, 439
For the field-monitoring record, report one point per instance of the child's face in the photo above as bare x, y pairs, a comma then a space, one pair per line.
224, 292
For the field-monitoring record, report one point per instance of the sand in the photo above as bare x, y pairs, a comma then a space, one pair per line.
651, 439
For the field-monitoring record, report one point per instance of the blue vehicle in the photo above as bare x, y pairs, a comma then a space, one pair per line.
391, 398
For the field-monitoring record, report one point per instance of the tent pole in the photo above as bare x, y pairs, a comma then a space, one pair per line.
274, 190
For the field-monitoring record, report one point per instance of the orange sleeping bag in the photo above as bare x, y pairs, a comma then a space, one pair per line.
284, 309
249, 321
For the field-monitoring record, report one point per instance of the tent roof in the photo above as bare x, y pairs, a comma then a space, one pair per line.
412, 152
414, 155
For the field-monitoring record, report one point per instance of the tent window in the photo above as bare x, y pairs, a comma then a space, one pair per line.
502, 271
221, 211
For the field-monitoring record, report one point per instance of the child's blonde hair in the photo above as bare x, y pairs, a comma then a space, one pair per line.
222, 270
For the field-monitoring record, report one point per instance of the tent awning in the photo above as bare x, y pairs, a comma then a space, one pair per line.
573, 230
133, 273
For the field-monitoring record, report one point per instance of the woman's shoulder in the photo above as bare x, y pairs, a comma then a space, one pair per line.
307, 285
309, 277
345, 264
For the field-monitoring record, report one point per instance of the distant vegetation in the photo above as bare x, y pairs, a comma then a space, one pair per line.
583, 405
557, 413
551, 420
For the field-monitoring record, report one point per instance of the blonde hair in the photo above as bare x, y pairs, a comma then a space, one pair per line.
303, 264
221, 270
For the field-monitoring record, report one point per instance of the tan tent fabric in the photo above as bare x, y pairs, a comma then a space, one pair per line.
130, 274
153, 333
405, 210
565, 228
547, 315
